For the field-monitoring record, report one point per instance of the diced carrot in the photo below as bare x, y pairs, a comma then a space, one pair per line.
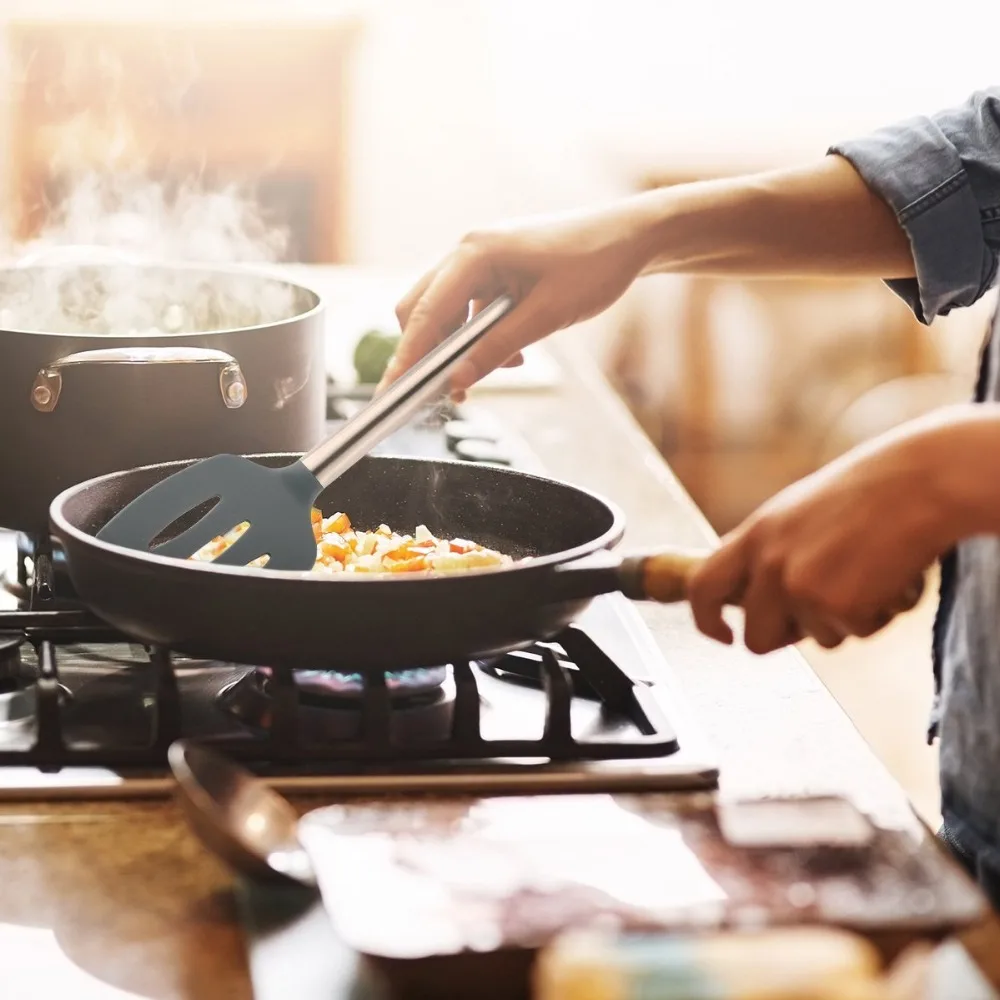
460, 546
409, 551
335, 547
408, 565
315, 515
339, 523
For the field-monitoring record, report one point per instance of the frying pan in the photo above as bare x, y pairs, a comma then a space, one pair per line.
370, 623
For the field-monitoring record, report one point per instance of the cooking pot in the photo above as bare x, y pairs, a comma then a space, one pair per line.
109, 362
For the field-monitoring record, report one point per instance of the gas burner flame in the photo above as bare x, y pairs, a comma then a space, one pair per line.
341, 684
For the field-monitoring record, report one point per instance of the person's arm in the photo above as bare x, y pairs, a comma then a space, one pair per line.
842, 551
962, 458
561, 269
817, 219
916, 203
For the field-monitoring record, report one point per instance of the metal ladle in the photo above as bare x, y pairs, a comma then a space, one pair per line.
238, 818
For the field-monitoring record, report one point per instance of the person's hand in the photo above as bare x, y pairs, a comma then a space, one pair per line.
841, 552
559, 270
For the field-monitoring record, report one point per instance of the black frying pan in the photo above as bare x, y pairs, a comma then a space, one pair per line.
371, 623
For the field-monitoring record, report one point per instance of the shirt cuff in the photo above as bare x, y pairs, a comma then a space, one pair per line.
914, 168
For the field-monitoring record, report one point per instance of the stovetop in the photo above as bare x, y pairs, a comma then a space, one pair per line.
83, 711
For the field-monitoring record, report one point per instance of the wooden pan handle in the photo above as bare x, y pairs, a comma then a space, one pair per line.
664, 575
660, 576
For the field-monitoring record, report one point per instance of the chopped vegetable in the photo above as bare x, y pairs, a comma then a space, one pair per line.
372, 355
340, 548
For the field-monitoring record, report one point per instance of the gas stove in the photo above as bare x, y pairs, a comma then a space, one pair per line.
86, 712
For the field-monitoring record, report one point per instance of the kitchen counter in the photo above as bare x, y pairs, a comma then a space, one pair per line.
112, 900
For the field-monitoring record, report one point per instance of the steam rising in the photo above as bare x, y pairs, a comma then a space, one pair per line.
80, 274
119, 211
137, 215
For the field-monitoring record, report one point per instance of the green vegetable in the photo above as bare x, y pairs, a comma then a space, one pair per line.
372, 355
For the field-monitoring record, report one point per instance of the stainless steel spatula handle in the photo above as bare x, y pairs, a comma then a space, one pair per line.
387, 413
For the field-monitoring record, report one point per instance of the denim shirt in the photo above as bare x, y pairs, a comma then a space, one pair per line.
941, 176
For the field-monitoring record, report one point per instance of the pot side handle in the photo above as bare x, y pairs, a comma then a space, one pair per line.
47, 386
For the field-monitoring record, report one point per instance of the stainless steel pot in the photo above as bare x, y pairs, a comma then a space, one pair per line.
107, 364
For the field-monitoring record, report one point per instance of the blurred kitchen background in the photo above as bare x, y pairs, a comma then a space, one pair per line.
374, 134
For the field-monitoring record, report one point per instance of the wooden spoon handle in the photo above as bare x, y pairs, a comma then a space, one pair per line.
661, 576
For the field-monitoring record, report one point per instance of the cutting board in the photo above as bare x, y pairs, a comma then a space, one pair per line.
425, 879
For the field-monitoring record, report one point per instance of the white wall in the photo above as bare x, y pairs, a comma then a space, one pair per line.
721, 74
477, 109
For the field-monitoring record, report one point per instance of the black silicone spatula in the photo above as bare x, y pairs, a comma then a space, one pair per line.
277, 502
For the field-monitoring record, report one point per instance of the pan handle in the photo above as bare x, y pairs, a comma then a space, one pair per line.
660, 575
664, 576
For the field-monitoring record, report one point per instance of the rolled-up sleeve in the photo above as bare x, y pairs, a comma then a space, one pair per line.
941, 177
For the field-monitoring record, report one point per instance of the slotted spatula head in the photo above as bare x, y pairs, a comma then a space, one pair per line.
278, 503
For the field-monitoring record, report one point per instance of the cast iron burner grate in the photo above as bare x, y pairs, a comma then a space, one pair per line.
592, 675
570, 667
